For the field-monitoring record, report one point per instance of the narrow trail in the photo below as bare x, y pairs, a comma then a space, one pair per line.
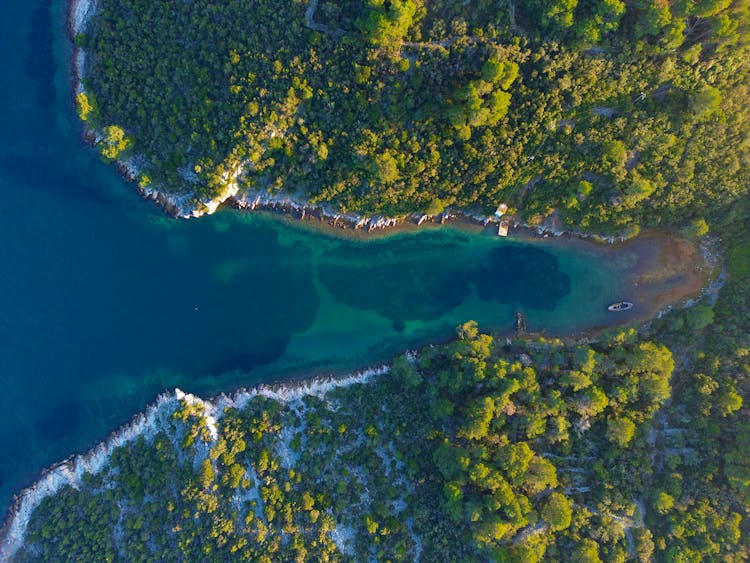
514, 27
310, 23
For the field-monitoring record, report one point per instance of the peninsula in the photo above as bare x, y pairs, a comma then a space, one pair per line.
586, 118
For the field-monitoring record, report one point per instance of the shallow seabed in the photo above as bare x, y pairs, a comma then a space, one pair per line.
105, 302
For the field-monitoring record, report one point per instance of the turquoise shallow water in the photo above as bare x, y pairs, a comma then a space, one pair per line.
104, 302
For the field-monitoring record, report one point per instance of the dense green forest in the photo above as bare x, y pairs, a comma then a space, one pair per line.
632, 447
608, 115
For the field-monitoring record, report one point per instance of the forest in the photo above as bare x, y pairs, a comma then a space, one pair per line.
604, 115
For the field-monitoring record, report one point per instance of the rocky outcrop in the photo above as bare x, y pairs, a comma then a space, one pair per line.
155, 418
79, 13
71, 471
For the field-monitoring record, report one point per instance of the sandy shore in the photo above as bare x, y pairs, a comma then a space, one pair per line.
670, 271
660, 272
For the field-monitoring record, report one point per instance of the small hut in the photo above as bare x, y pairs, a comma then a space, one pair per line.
502, 209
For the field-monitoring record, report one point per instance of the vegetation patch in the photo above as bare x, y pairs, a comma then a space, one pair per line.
481, 448
611, 116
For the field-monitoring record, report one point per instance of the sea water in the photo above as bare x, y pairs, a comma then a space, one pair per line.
105, 301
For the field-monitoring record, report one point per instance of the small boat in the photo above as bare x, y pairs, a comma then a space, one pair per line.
620, 306
502, 228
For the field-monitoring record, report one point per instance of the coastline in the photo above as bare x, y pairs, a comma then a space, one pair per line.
289, 207
155, 417
295, 209
656, 248
660, 277
182, 206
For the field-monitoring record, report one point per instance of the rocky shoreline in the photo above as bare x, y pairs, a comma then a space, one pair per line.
155, 417
184, 206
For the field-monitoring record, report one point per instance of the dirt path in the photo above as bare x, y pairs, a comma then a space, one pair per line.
514, 27
322, 28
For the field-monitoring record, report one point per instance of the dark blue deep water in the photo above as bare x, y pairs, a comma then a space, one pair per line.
105, 302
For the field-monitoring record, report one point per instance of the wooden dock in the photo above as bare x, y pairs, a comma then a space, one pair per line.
520, 323
502, 228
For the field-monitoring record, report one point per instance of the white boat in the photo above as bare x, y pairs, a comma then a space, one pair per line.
620, 306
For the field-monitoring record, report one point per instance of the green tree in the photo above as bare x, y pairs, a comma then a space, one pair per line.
729, 401
386, 168
591, 402
587, 551
308, 502
737, 462
387, 22
643, 544
478, 416
663, 502
234, 476
114, 142
620, 430
85, 106
435, 207
653, 17
699, 317
403, 370
698, 228
558, 14
541, 474
705, 101
206, 474
500, 72
558, 511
